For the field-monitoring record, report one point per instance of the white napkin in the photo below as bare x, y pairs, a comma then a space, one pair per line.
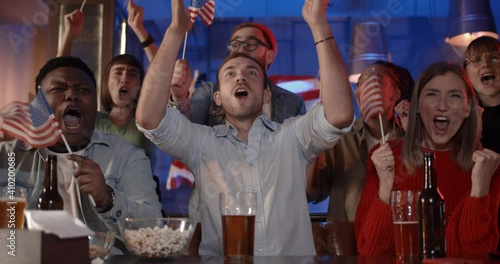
58, 222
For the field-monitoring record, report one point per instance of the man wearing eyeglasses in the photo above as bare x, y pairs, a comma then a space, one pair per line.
255, 40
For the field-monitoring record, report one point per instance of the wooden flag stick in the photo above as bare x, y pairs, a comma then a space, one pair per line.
185, 43
381, 128
91, 199
83, 4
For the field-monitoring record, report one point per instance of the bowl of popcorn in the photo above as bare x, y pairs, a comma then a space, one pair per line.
157, 237
100, 244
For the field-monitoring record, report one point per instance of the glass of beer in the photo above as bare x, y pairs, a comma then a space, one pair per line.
238, 223
404, 206
12, 205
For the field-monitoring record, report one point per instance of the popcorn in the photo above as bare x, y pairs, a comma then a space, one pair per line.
156, 242
96, 251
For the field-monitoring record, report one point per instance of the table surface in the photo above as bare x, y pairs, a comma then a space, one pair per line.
475, 259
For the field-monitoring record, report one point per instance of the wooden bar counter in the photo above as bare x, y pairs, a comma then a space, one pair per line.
475, 259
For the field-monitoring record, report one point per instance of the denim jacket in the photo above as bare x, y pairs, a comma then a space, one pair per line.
125, 167
203, 110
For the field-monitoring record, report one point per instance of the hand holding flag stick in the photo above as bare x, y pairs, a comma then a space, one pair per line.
91, 199
185, 43
371, 101
381, 128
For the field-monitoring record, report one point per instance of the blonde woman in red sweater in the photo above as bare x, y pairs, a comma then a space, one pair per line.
443, 120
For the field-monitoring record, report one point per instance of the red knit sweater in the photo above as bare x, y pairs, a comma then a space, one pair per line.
471, 223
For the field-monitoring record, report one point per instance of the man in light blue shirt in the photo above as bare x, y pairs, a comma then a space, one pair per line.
250, 153
115, 173
251, 38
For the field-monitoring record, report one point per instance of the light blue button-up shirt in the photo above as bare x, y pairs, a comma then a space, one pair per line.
273, 165
125, 167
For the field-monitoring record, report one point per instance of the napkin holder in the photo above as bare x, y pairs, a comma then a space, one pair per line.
35, 246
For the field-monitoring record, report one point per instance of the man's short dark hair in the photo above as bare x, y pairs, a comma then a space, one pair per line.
237, 55
65, 61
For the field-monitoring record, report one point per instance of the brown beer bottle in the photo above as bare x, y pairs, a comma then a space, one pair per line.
50, 199
431, 218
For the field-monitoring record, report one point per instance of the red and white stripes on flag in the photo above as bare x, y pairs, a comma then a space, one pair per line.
205, 9
34, 124
371, 98
179, 175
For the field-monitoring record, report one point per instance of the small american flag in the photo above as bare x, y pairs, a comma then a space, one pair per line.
371, 98
203, 8
34, 124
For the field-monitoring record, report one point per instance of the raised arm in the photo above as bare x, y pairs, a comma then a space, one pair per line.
73, 27
136, 22
335, 88
155, 91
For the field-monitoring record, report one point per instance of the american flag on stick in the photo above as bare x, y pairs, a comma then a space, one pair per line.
35, 123
205, 9
371, 98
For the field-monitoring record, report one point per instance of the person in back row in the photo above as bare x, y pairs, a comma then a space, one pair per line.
120, 82
250, 153
482, 64
340, 171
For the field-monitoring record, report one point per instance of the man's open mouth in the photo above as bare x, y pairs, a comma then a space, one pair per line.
72, 118
240, 93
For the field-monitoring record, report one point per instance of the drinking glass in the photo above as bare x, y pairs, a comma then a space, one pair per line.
12, 205
404, 206
238, 223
